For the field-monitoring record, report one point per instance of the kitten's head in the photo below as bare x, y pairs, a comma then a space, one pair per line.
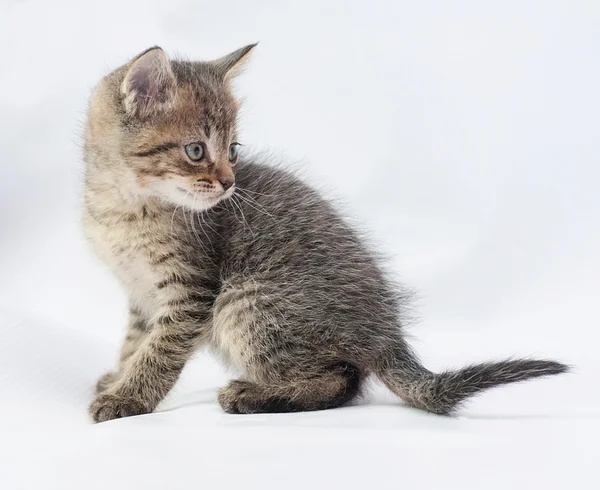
172, 125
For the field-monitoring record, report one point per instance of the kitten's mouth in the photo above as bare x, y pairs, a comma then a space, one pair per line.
222, 195
197, 194
205, 199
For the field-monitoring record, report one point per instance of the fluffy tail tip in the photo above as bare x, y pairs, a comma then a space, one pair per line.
454, 387
445, 392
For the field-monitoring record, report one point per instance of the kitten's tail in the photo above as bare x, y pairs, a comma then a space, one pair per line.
443, 393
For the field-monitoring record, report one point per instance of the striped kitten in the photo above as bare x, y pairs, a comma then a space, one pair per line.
274, 280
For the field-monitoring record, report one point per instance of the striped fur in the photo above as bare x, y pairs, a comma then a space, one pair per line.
266, 272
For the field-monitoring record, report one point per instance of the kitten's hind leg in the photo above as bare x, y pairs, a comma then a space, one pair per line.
332, 388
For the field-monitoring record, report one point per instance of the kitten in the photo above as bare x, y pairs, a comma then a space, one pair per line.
240, 256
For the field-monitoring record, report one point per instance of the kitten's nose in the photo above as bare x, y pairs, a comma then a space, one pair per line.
226, 182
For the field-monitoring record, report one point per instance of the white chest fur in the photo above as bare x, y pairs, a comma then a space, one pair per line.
127, 244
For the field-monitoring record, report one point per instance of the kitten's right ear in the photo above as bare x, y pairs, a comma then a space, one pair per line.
149, 84
230, 65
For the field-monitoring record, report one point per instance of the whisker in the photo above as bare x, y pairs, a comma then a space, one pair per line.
253, 204
182, 211
194, 214
203, 217
252, 199
208, 218
173, 216
233, 210
192, 219
254, 192
233, 196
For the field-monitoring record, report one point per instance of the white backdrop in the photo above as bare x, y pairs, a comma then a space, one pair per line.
464, 135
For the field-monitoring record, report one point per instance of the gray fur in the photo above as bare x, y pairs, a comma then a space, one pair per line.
267, 273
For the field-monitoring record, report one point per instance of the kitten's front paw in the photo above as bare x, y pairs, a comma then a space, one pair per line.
108, 406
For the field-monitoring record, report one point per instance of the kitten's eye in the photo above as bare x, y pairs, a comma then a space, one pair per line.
233, 152
194, 151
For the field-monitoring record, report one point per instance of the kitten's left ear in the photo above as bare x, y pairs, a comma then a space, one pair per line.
232, 64
149, 84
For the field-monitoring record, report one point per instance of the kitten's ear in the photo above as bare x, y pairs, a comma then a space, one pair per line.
149, 84
232, 64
